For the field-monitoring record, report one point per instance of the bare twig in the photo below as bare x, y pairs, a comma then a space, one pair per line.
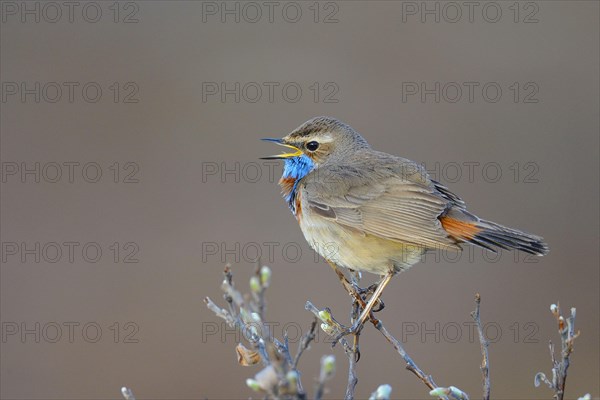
305, 342
410, 364
280, 377
485, 369
259, 284
352, 357
329, 325
284, 347
333, 328
566, 330
352, 377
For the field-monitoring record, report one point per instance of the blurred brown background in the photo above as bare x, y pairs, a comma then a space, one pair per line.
188, 189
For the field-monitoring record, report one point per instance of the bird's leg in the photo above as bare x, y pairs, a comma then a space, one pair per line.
358, 304
366, 313
352, 291
355, 291
373, 300
366, 292
369, 291
355, 277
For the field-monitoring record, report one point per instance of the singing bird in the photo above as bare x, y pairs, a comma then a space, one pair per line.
370, 211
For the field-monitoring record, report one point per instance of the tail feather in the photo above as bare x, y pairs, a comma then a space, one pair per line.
466, 227
509, 238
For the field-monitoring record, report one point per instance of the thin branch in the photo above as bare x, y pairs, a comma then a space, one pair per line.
485, 369
566, 330
260, 274
333, 324
280, 377
220, 312
305, 342
410, 364
352, 378
352, 357
320, 390
333, 328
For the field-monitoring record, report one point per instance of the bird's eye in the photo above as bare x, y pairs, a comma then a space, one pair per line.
312, 146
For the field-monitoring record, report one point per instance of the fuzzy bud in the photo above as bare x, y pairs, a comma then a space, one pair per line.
255, 284
253, 384
383, 392
127, 393
328, 329
267, 379
325, 316
327, 367
452, 391
292, 382
292, 377
255, 317
265, 276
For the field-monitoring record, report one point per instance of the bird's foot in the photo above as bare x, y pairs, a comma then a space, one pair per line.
379, 306
366, 292
369, 289
353, 330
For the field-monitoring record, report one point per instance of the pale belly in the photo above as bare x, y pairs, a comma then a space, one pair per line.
350, 248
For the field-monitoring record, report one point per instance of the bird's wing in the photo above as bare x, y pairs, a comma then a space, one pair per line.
389, 201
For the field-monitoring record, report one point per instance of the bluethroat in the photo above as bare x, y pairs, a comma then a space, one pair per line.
370, 211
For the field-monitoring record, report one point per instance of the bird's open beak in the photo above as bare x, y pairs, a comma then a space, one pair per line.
280, 142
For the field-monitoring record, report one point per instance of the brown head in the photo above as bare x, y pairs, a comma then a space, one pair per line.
322, 139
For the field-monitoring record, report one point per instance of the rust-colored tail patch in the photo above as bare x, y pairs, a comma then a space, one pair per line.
490, 235
459, 229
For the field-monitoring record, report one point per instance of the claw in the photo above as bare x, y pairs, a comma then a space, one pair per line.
353, 330
356, 353
380, 306
356, 348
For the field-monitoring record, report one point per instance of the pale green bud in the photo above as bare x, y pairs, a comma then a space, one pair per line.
328, 329
265, 276
325, 316
383, 392
452, 391
255, 284
327, 367
127, 393
292, 378
253, 384
255, 317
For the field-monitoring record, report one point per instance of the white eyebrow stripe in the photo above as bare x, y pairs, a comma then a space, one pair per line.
326, 138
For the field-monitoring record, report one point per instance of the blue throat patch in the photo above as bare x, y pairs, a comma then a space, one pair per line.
295, 168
